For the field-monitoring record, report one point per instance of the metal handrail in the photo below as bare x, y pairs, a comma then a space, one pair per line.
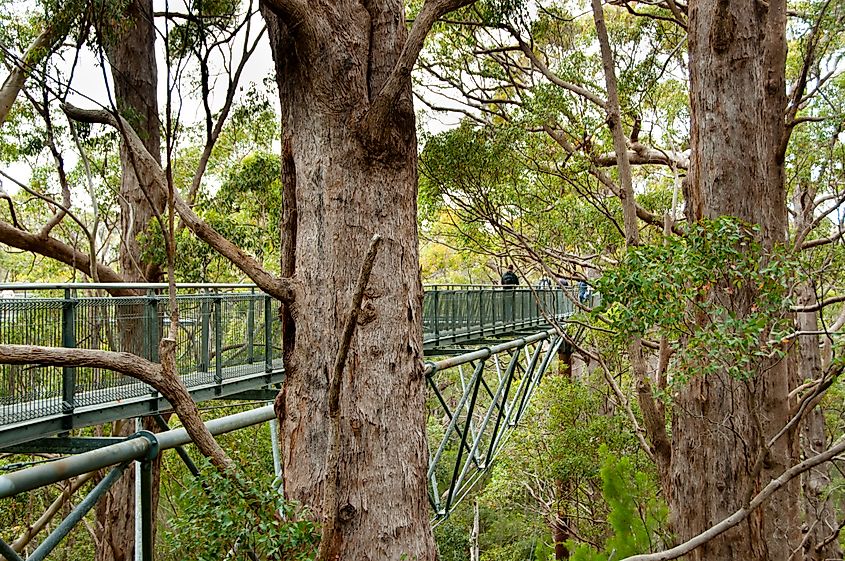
224, 337
120, 285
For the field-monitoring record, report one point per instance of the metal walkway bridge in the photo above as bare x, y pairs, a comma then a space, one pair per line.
229, 347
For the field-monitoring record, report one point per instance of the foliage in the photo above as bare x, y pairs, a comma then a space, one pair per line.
636, 516
716, 290
246, 209
246, 520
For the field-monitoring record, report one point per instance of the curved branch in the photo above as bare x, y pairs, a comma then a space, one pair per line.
152, 374
150, 170
819, 305
741, 514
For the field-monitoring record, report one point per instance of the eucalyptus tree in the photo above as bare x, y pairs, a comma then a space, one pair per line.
539, 69
122, 35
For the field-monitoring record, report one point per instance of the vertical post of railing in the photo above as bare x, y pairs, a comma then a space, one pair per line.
218, 339
522, 305
452, 313
147, 510
493, 298
436, 297
69, 341
481, 311
250, 328
151, 334
205, 335
467, 309
268, 334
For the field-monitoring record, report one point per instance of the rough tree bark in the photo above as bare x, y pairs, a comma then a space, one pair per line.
720, 425
130, 47
350, 171
818, 509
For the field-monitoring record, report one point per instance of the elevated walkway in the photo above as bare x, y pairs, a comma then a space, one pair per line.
229, 344
229, 347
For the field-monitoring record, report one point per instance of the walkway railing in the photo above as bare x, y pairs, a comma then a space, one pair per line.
457, 313
229, 340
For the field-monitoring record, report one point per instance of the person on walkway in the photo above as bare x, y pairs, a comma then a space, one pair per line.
509, 279
583, 291
544, 283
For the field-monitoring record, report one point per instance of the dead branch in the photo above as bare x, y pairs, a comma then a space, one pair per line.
640, 154
331, 506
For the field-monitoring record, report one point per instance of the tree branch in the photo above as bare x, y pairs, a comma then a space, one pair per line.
16, 79
639, 154
62, 252
645, 215
554, 78
150, 170
211, 141
399, 77
331, 507
64, 497
819, 305
152, 374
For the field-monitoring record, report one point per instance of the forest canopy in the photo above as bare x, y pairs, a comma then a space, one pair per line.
674, 167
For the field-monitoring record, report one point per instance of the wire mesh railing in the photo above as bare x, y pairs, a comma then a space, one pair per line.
223, 333
226, 332
454, 312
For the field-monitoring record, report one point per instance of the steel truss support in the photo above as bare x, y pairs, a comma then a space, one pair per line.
488, 406
143, 446
75, 516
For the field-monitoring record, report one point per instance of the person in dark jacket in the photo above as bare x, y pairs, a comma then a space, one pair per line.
509, 279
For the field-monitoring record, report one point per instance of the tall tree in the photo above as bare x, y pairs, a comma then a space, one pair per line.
737, 57
349, 161
128, 38
349, 173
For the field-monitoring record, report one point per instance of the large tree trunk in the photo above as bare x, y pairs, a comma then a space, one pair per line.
130, 46
720, 425
342, 187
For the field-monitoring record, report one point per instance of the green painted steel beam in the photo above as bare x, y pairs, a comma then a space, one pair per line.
130, 449
62, 445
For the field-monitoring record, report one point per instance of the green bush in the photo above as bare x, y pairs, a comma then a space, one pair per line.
221, 519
